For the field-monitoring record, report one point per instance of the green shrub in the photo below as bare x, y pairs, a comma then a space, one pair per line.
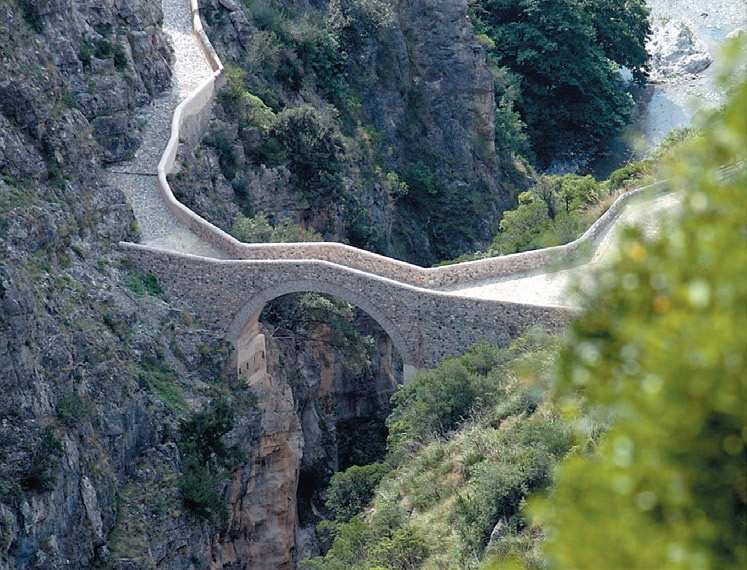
120, 57
85, 53
351, 490
404, 550
201, 435
72, 409
438, 401
628, 173
355, 22
313, 147
30, 11
521, 229
224, 147
422, 184
397, 187
239, 103
206, 457
163, 381
258, 230
198, 488
143, 285
497, 489
103, 49
485, 41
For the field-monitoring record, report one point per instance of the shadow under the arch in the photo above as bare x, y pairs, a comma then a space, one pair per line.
243, 323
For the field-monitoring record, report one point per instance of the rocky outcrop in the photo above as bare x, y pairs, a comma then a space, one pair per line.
676, 51
97, 365
319, 402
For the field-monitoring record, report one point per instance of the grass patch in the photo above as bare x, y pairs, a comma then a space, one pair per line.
144, 284
163, 382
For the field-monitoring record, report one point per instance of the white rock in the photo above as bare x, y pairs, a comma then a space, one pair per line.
676, 51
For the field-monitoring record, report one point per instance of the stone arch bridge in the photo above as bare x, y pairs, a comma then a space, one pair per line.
428, 313
424, 325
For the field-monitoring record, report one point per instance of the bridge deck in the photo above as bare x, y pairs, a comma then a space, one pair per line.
556, 287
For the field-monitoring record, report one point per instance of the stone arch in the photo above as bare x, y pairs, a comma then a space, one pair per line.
252, 308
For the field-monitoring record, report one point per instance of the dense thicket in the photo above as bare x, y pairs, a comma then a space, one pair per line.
468, 441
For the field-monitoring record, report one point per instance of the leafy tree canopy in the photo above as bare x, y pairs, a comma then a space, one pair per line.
567, 54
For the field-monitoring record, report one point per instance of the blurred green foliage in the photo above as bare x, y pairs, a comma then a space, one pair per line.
661, 349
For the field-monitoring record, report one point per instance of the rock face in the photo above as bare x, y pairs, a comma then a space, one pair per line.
95, 371
676, 51
323, 409
100, 366
425, 112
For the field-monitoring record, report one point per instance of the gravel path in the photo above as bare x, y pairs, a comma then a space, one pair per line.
158, 227
556, 288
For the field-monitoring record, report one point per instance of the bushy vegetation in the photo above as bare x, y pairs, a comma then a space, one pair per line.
558, 209
205, 458
144, 284
350, 491
44, 458
31, 14
565, 56
311, 143
258, 229
72, 409
163, 382
459, 463
665, 360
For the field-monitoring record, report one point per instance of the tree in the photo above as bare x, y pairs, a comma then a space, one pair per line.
623, 28
351, 490
521, 228
312, 144
567, 54
661, 350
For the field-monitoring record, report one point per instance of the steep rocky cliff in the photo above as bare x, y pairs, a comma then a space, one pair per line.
402, 93
95, 362
101, 368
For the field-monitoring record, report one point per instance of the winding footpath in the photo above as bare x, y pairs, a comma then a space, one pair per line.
429, 313
138, 178
548, 287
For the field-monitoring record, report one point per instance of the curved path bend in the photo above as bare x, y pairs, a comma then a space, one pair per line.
429, 313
